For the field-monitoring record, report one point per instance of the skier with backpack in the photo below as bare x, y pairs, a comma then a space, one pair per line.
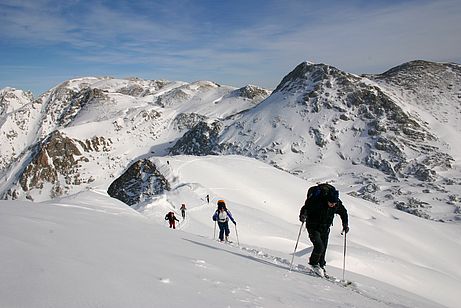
171, 219
222, 216
321, 204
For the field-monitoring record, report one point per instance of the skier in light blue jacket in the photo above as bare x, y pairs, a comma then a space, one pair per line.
222, 216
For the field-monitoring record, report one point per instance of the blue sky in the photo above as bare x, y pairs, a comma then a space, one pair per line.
44, 42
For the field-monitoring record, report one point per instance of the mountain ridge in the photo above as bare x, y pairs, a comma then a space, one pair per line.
371, 133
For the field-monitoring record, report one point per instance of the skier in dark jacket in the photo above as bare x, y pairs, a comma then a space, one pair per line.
222, 216
171, 219
318, 212
183, 211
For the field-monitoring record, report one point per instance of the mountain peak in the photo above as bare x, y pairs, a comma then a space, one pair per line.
306, 74
252, 92
417, 68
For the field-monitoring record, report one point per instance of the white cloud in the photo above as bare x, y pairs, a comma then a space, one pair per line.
270, 41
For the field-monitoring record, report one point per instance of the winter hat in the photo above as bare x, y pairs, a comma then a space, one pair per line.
221, 204
333, 196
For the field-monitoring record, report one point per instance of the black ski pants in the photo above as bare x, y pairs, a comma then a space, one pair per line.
223, 230
319, 239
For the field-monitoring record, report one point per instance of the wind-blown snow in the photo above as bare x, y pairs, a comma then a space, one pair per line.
89, 250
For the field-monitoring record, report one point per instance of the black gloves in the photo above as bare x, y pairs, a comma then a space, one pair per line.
302, 218
345, 229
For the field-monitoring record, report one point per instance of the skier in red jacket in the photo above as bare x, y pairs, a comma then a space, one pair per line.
171, 219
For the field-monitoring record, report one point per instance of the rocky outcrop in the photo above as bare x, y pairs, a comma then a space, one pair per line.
187, 121
57, 156
55, 164
140, 182
201, 140
251, 92
79, 101
307, 75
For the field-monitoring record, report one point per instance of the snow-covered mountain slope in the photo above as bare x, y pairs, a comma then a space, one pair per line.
266, 201
428, 86
20, 119
432, 92
91, 250
392, 138
320, 118
90, 124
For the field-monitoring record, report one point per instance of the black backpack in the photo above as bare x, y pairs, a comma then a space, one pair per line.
316, 195
320, 191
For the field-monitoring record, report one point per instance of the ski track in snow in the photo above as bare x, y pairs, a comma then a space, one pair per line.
283, 263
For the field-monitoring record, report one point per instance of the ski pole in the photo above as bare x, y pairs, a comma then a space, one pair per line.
344, 258
296, 246
237, 234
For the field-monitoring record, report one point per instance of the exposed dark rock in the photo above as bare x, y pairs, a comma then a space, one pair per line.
138, 90
313, 73
318, 137
140, 182
201, 140
56, 162
374, 160
77, 102
413, 206
58, 155
187, 120
251, 92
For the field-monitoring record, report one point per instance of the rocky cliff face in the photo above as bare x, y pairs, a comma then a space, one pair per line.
56, 165
201, 140
251, 92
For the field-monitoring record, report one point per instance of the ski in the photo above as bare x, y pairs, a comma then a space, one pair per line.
225, 242
330, 278
338, 281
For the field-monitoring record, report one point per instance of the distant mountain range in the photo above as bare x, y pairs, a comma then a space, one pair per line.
391, 138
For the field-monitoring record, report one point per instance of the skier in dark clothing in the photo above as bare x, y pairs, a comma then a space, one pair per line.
318, 212
171, 219
183, 211
222, 216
